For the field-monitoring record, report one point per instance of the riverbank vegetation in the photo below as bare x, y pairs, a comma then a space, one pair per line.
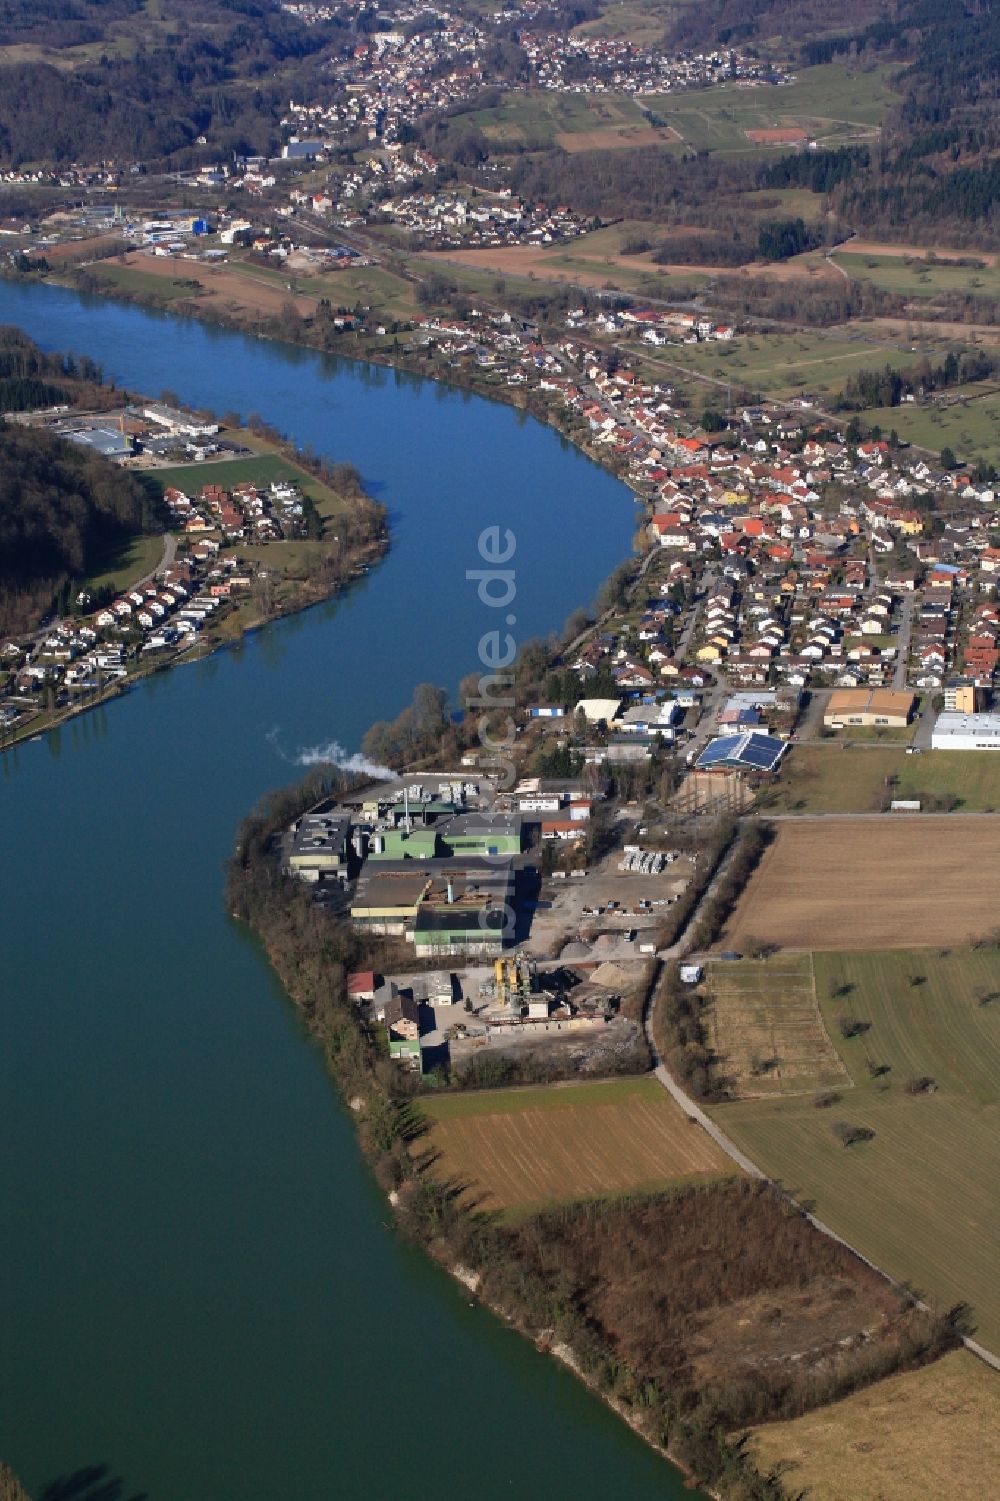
693, 1312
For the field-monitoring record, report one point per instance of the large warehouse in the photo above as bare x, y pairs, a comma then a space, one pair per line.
954, 731
869, 707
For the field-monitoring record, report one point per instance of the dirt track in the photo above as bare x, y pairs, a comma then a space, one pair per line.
873, 883
876, 247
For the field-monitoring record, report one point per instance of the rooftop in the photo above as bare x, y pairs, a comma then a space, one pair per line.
753, 751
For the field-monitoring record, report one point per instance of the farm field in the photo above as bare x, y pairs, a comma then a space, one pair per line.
764, 1026
520, 1149
824, 778
260, 469
872, 883
934, 1431
918, 1198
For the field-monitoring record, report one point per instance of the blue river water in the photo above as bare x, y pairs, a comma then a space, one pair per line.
200, 1285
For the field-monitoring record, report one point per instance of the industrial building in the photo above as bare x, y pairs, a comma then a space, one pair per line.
876, 708
751, 751
320, 847
969, 732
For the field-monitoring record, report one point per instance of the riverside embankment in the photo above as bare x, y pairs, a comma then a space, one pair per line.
201, 1286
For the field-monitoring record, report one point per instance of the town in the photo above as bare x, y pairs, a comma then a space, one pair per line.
218, 565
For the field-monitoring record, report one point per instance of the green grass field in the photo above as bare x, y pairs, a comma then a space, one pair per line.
823, 778
144, 283
916, 277
919, 1198
127, 565
831, 103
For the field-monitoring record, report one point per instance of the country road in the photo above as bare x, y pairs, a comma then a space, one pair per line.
166, 561
695, 1113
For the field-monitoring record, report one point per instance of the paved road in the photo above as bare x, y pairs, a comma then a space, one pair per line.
903, 642
694, 1112
166, 561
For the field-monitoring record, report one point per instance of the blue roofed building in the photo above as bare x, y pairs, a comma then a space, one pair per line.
752, 750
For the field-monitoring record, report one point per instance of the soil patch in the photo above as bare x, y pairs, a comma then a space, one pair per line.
873, 883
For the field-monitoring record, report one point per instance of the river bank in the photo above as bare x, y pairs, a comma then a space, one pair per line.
370, 349
278, 578
530, 1270
197, 1243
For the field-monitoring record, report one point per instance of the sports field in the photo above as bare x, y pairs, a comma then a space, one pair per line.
577, 122
764, 1026
919, 1198
520, 1149
872, 883
824, 778
930, 1432
828, 103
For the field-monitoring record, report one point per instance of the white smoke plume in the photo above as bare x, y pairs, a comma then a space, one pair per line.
331, 753
334, 754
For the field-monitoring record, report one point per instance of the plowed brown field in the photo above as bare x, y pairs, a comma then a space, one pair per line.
859, 883
519, 1149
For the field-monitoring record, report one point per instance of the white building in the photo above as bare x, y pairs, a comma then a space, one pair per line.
954, 731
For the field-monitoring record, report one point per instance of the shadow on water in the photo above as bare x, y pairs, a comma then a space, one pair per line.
90, 1483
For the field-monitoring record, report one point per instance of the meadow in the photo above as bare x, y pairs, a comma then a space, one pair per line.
969, 424
826, 778
916, 276
930, 1432
787, 363
919, 1196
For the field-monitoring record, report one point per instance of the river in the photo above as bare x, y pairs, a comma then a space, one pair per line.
201, 1287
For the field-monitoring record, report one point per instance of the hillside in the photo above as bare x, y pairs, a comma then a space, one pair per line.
62, 509
84, 80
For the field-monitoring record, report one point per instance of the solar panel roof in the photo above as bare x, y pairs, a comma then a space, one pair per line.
753, 750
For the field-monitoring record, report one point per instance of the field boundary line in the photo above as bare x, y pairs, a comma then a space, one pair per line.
695, 1112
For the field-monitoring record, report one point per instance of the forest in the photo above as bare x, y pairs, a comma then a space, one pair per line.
222, 68
62, 509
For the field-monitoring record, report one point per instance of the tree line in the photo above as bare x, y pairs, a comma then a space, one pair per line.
63, 509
